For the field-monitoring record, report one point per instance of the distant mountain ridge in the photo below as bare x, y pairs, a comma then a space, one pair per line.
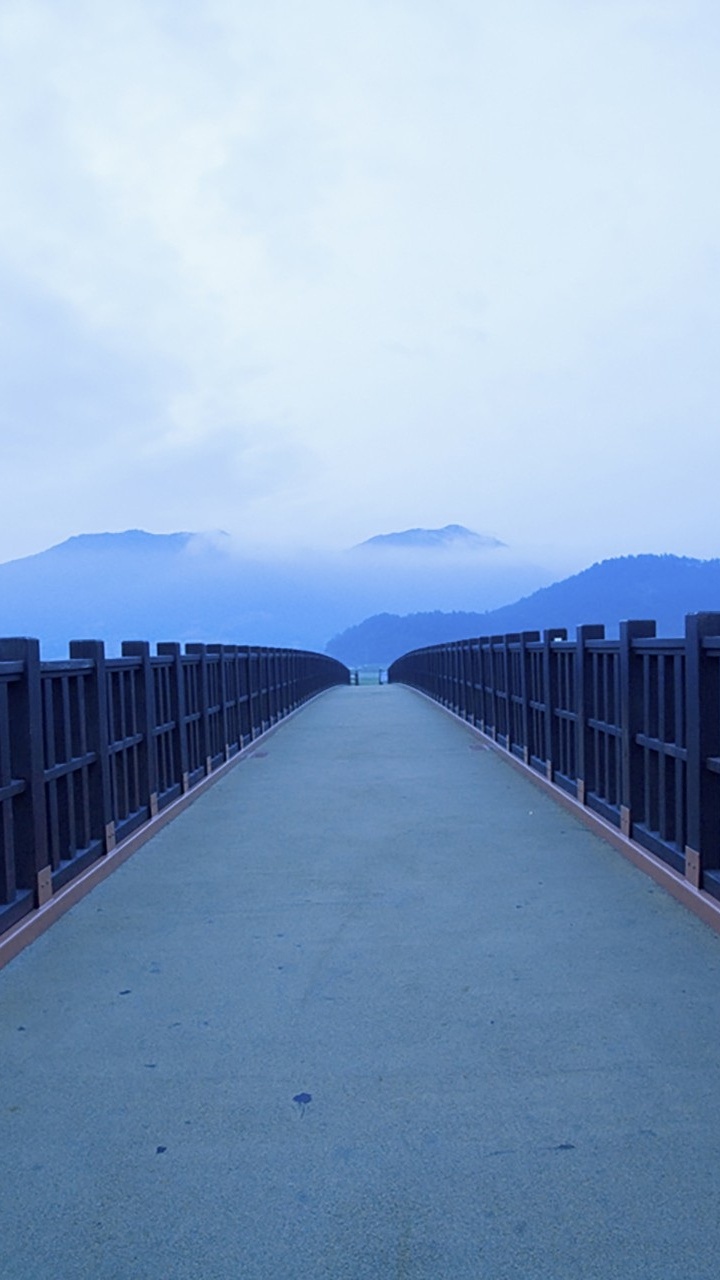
663, 588
208, 587
450, 537
130, 540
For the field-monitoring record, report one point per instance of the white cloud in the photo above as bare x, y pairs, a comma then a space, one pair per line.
335, 269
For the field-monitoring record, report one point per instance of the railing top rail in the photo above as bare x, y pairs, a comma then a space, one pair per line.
658, 644
10, 669
64, 666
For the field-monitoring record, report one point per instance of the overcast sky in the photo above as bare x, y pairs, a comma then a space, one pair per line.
311, 270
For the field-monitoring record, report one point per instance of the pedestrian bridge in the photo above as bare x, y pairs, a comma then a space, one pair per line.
373, 1006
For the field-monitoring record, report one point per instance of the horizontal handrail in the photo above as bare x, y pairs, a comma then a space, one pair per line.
93, 747
629, 727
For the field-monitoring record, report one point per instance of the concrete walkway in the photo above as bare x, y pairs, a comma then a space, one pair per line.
374, 1007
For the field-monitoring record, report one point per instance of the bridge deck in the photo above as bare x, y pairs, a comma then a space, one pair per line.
508, 1035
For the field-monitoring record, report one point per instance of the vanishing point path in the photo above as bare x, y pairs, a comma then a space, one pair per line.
373, 1007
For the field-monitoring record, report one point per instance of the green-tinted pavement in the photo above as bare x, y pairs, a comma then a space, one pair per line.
509, 1036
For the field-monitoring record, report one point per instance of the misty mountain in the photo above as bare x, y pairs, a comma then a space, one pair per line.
189, 586
453, 537
664, 588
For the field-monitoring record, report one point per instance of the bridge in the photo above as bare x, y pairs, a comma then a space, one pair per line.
374, 1003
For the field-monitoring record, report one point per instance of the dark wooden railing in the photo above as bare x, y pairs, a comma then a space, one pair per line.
630, 728
93, 748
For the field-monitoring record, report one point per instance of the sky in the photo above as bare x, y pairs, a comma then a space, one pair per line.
313, 270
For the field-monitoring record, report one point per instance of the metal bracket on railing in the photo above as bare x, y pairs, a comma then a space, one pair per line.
693, 870
44, 886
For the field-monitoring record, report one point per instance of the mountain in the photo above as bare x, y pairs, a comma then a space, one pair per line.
131, 541
452, 537
190, 586
664, 588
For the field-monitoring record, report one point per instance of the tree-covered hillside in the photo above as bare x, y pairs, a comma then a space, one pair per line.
664, 588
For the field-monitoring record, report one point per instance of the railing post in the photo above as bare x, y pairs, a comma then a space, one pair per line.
454, 676
526, 638
246, 717
470, 676
274, 676
481, 719
467, 679
102, 818
282, 676
492, 658
221, 650
232, 655
583, 698
254, 691
200, 651
170, 649
147, 717
511, 638
631, 710
551, 697
32, 868
702, 692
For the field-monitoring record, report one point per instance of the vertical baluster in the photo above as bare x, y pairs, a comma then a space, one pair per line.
199, 651
223, 655
702, 701
550, 699
32, 869
526, 638
177, 705
631, 713
584, 703
147, 723
102, 822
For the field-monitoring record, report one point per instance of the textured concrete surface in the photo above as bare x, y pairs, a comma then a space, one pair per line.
372, 1008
